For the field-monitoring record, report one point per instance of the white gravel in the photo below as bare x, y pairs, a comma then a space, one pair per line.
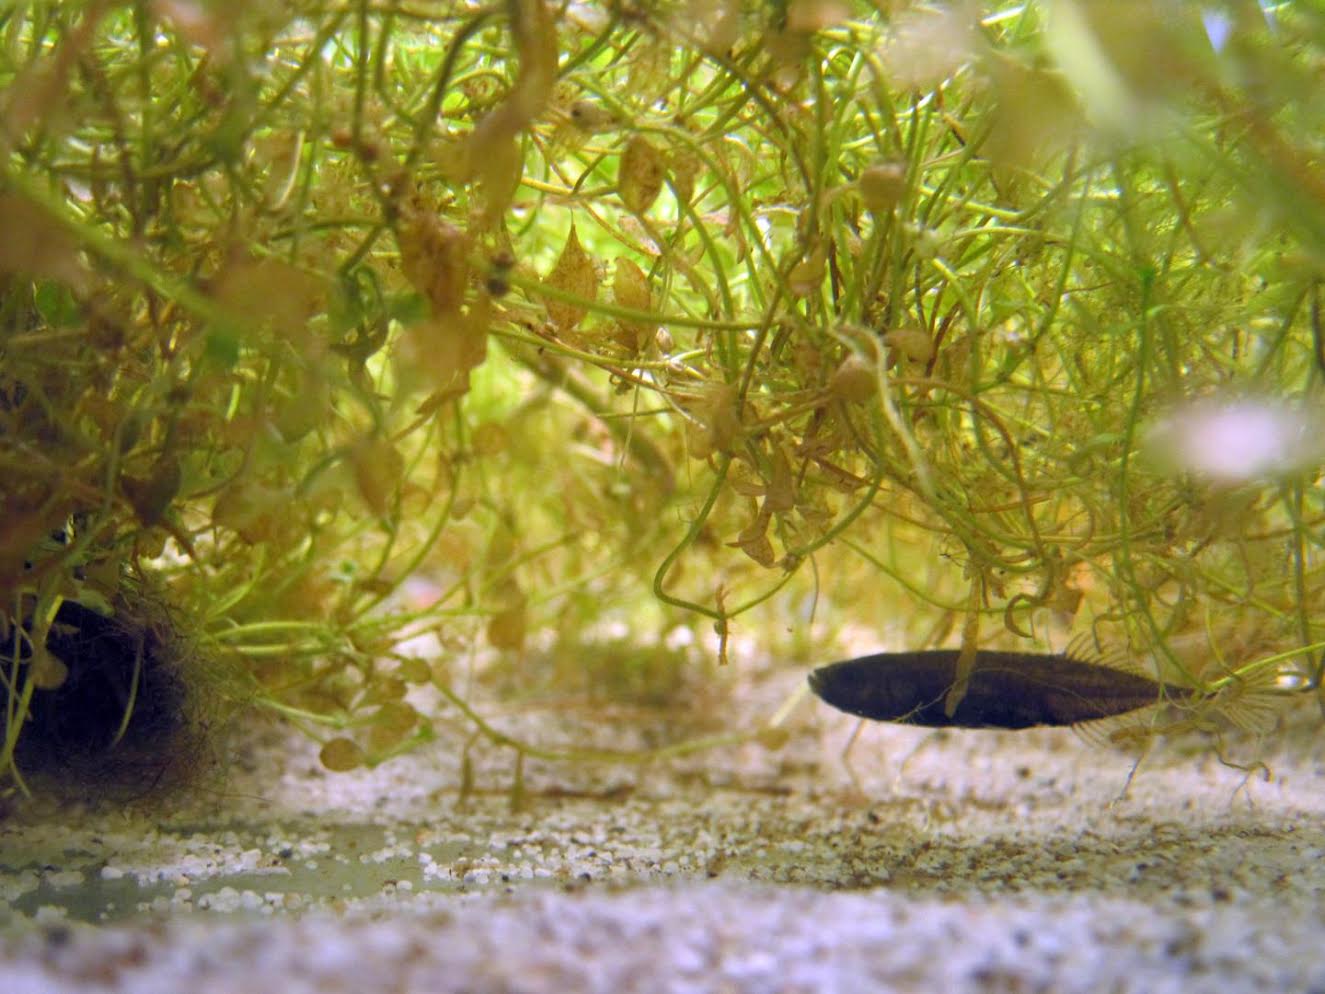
963, 862
702, 936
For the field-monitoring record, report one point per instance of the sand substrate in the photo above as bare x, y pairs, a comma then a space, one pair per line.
970, 861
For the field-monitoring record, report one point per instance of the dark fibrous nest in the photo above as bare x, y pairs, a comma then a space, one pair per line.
122, 723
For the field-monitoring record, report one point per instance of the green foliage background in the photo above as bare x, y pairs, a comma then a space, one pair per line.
337, 323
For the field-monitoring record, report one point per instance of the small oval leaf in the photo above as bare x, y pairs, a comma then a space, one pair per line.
640, 178
574, 274
630, 288
434, 257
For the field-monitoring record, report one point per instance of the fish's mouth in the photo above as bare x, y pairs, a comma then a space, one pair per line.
816, 681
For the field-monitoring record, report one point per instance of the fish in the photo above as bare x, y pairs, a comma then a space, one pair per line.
1008, 690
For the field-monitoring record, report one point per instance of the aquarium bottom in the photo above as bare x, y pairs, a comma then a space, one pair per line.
961, 861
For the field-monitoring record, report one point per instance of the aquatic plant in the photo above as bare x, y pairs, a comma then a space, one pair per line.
334, 324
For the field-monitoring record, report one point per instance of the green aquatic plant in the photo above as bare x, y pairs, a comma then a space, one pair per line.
344, 323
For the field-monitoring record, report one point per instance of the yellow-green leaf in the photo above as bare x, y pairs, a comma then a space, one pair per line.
882, 185
685, 166
378, 468
434, 257
574, 274
640, 178
341, 755
506, 628
630, 288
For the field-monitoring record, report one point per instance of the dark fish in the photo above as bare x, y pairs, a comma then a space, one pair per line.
1005, 689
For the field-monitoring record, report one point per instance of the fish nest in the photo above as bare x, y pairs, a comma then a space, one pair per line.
131, 717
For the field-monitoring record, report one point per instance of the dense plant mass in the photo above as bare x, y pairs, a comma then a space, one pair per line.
330, 324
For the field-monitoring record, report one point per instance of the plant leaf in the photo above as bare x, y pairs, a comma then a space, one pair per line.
574, 273
640, 178
434, 257
630, 288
